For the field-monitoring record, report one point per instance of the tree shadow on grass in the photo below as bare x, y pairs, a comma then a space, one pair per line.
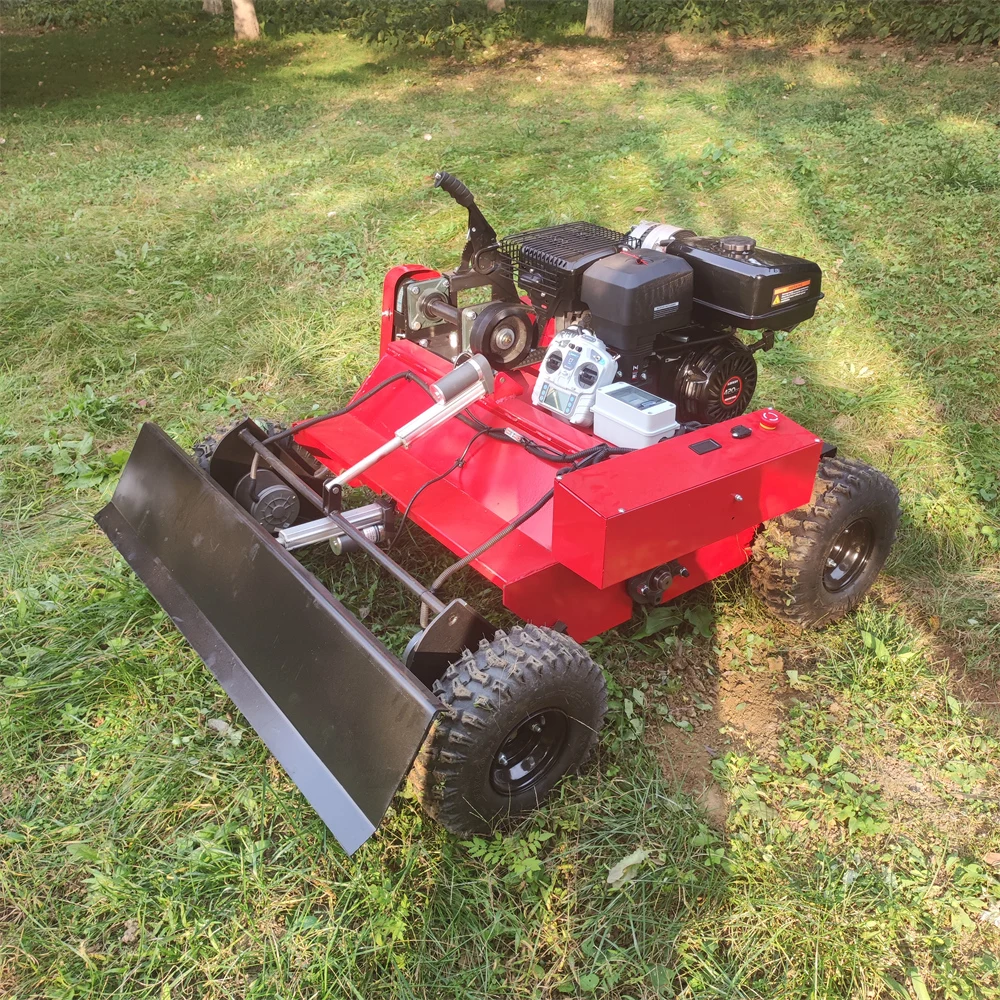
938, 376
116, 63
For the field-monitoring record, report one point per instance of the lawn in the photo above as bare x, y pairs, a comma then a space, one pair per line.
193, 230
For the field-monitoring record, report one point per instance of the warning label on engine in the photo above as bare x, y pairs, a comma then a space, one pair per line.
789, 293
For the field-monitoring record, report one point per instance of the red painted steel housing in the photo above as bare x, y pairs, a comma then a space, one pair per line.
606, 522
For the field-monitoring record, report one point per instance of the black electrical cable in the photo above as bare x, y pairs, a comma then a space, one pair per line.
457, 464
596, 454
479, 550
312, 421
691, 425
533, 447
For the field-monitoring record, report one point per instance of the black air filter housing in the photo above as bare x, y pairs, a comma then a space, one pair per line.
738, 284
635, 295
547, 263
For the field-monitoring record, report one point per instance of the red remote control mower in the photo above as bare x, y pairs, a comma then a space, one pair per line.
582, 438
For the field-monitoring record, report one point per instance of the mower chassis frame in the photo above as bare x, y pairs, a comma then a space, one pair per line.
338, 710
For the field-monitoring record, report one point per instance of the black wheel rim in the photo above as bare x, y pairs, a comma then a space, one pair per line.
849, 555
529, 751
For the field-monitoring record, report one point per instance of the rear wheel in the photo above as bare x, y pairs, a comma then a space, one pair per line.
522, 711
815, 564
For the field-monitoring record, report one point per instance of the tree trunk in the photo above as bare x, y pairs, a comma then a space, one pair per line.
212, 7
496, 6
245, 20
601, 18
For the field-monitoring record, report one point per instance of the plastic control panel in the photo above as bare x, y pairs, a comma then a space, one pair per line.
575, 366
631, 417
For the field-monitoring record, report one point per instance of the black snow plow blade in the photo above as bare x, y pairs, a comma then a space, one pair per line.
343, 716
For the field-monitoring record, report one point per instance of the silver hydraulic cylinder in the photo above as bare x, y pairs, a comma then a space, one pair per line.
325, 529
452, 393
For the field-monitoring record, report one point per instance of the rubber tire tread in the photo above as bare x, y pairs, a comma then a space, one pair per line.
205, 448
487, 693
790, 581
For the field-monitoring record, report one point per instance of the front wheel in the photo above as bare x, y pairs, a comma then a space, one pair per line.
522, 711
815, 564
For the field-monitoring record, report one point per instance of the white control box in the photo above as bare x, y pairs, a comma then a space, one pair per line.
575, 366
630, 417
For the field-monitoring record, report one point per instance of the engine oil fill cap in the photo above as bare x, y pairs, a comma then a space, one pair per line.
737, 244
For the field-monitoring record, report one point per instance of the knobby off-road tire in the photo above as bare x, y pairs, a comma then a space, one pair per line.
522, 711
815, 564
205, 448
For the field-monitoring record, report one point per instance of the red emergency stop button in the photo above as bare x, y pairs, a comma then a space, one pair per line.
769, 420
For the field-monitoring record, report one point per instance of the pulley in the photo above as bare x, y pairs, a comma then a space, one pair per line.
504, 333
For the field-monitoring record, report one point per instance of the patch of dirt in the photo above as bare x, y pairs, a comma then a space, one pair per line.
977, 686
11, 28
723, 703
980, 690
717, 707
899, 782
921, 802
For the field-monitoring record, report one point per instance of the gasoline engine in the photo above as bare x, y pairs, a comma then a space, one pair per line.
619, 323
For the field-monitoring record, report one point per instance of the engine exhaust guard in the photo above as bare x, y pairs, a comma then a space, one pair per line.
341, 714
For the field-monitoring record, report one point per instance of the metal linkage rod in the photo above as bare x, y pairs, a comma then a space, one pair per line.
369, 547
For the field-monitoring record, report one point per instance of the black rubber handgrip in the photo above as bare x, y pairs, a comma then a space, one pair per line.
454, 187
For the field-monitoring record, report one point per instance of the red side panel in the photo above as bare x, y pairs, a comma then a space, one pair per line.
393, 279
624, 516
556, 594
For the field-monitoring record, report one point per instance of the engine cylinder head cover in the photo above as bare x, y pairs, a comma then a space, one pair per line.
633, 296
504, 333
269, 499
710, 383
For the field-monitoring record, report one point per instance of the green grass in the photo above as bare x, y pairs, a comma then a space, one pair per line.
191, 230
